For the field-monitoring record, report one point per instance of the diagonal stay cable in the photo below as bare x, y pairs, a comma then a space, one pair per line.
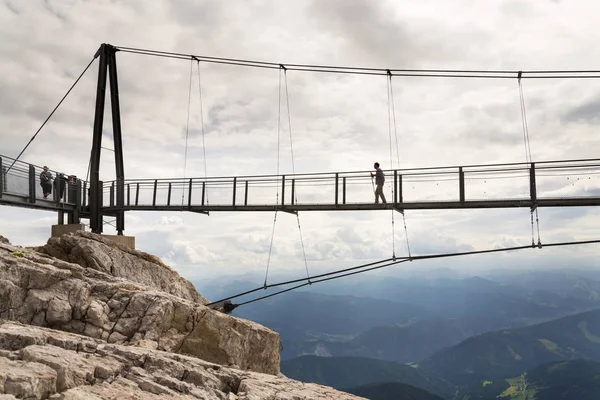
53, 111
298, 280
398, 261
388, 262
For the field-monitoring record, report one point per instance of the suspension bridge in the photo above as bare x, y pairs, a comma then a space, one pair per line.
530, 184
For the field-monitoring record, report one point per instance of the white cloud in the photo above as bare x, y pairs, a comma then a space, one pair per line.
338, 122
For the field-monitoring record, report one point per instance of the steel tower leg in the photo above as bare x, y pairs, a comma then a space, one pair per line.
107, 68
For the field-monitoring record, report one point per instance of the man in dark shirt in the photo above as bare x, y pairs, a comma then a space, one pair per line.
379, 181
60, 184
46, 182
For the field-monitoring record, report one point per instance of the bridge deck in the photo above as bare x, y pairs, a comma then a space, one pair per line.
548, 184
568, 183
17, 200
438, 205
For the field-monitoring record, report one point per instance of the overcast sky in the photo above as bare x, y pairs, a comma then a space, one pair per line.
339, 122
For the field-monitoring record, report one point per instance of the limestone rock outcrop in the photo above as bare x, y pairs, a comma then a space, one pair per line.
93, 251
39, 363
41, 290
84, 318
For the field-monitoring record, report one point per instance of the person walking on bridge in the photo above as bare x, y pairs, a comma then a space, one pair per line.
379, 181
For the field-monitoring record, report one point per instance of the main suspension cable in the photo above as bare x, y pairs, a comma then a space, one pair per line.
433, 73
52, 113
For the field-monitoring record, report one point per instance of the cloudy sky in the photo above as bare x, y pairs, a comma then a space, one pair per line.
339, 122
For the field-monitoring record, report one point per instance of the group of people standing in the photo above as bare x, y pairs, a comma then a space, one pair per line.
48, 181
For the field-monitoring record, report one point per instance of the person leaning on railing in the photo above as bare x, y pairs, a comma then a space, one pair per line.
46, 179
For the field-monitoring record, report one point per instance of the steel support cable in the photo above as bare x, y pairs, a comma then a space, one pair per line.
287, 100
202, 126
450, 73
525, 140
390, 262
389, 104
187, 130
394, 262
301, 280
52, 113
528, 157
398, 156
524, 123
277, 174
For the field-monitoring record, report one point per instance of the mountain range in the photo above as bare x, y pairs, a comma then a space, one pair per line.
464, 338
507, 353
407, 320
347, 372
392, 390
562, 380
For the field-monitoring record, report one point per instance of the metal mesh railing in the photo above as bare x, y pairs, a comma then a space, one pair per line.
23, 180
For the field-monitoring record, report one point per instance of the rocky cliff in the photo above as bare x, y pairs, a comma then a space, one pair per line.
84, 318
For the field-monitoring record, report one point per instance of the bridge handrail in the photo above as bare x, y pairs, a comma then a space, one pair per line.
22, 179
405, 172
22, 168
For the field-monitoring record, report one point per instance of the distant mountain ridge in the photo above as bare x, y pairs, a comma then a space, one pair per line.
576, 379
509, 352
562, 380
345, 372
414, 341
408, 320
392, 390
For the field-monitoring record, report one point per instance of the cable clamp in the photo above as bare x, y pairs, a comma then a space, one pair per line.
389, 73
282, 67
519, 75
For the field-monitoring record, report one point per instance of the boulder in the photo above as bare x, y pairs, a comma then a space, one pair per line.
90, 250
26, 379
41, 290
40, 363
